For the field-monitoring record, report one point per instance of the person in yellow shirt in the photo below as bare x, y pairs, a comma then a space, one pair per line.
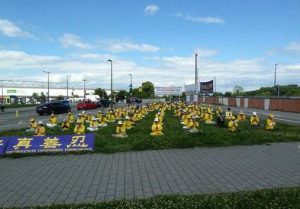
218, 111
228, 114
65, 125
270, 124
103, 121
93, 125
70, 117
120, 130
99, 115
111, 117
52, 120
193, 125
156, 128
40, 129
79, 128
241, 116
32, 125
81, 118
127, 122
254, 119
88, 117
187, 122
233, 124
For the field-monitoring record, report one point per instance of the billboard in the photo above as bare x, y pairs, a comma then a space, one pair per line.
168, 91
190, 89
207, 87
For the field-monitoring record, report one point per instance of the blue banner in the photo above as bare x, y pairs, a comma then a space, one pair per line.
38, 144
3, 144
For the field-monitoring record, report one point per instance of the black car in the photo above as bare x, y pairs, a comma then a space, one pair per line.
104, 103
52, 107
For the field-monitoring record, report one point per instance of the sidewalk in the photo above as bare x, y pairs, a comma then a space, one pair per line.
44, 180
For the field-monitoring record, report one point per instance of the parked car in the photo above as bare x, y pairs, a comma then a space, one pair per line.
52, 107
65, 102
86, 105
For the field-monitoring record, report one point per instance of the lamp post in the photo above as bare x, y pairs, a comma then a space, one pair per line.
84, 93
275, 80
111, 83
130, 87
68, 86
48, 85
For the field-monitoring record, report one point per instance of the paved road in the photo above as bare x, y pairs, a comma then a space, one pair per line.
44, 180
9, 121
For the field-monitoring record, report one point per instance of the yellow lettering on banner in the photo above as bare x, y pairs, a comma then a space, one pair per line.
51, 143
23, 142
77, 141
1, 143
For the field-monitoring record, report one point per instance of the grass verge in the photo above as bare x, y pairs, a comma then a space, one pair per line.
176, 137
288, 198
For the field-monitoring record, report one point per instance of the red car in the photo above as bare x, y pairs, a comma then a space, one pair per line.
86, 105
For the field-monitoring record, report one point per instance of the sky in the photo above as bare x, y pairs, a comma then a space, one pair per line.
238, 42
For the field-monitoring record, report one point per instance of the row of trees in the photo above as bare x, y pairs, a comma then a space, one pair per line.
145, 91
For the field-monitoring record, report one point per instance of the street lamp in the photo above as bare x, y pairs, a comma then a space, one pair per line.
48, 84
84, 93
275, 80
68, 86
111, 84
130, 87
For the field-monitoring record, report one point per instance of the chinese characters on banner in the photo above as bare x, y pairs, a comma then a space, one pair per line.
37, 144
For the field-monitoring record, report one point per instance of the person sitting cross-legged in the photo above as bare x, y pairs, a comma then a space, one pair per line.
156, 128
270, 124
93, 125
79, 128
120, 130
233, 125
32, 125
254, 120
40, 129
65, 125
52, 120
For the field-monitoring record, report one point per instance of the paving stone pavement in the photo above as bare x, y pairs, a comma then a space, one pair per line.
46, 180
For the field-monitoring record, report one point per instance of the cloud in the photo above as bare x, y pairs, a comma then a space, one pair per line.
114, 45
168, 70
151, 9
293, 47
8, 28
69, 40
202, 20
205, 52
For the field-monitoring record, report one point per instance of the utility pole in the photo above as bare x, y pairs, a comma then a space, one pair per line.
48, 85
68, 86
275, 80
196, 74
111, 83
84, 80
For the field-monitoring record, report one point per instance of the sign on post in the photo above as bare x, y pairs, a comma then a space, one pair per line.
207, 87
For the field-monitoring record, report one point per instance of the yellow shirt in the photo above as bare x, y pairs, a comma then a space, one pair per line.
33, 124
65, 125
254, 120
79, 129
241, 117
40, 131
94, 124
156, 128
120, 130
228, 115
270, 124
70, 118
53, 120
128, 124
232, 126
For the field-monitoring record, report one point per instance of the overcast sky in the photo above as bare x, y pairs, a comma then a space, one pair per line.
238, 42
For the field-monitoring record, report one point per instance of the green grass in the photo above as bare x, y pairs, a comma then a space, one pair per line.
288, 198
19, 105
176, 137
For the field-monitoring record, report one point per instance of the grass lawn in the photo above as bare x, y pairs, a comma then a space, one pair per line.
176, 137
19, 105
271, 198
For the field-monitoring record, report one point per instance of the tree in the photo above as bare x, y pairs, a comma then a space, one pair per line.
148, 90
60, 97
42, 98
35, 96
237, 90
121, 95
101, 93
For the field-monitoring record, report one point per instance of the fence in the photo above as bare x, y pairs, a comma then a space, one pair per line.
278, 104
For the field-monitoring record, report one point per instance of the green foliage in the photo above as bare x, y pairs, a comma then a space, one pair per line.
287, 198
288, 90
60, 97
146, 91
101, 93
121, 95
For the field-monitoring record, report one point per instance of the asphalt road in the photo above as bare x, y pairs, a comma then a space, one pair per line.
8, 120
